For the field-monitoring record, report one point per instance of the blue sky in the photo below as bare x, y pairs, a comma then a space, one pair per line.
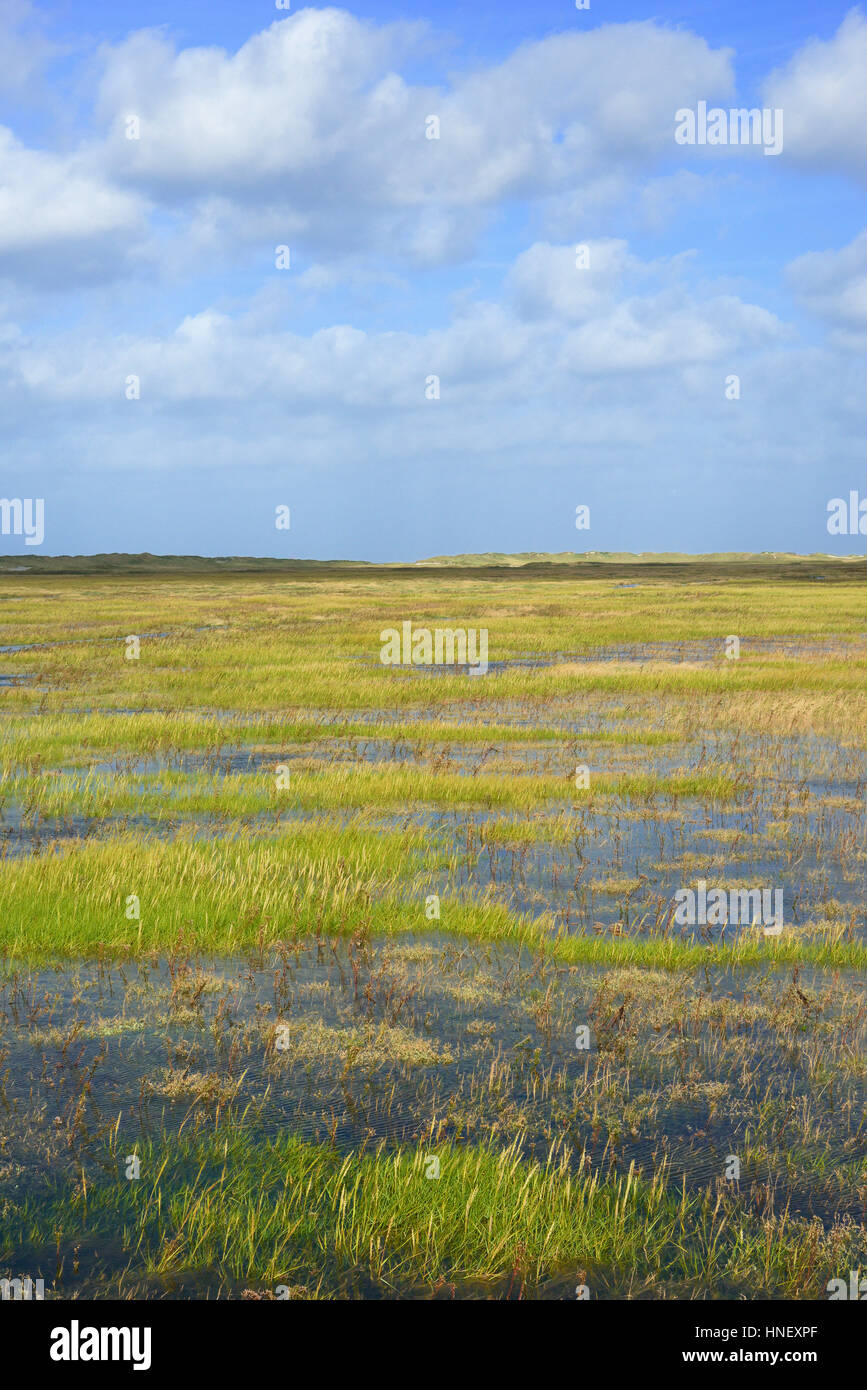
154, 258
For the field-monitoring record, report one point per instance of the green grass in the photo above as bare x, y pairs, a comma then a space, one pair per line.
180, 861
288, 646
225, 896
253, 677
171, 795
285, 1211
75, 740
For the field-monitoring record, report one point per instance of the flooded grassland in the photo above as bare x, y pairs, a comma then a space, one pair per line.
321, 977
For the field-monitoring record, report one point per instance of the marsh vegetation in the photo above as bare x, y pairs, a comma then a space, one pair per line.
312, 938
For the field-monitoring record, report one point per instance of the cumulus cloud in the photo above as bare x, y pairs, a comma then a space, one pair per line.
620, 314
60, 222
570, 283
833, 284
312, 134
823, 94
311, 126
308, 135
552, 330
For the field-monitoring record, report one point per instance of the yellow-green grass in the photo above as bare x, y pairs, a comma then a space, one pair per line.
76, 739
170, 795
275, 644
239, 1210
239, 864
226, 896
576, 613
244, 675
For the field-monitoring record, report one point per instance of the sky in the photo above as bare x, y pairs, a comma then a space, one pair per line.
432, 277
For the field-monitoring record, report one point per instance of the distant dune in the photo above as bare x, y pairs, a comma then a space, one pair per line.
568, 563
644, 557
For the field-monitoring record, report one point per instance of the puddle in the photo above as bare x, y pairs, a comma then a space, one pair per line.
385, 1040
694, 650
801, 827
429, 1039
615, 871
99, 641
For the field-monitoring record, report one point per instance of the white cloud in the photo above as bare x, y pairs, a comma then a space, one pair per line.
549, 282
823, 95
24, 49
60, 222
308, 136
612, 328
489, 352
310, 127
833, 284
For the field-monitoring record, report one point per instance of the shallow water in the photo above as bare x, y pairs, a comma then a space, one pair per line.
703, 650
396, 1040
87, 1049
800, 827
